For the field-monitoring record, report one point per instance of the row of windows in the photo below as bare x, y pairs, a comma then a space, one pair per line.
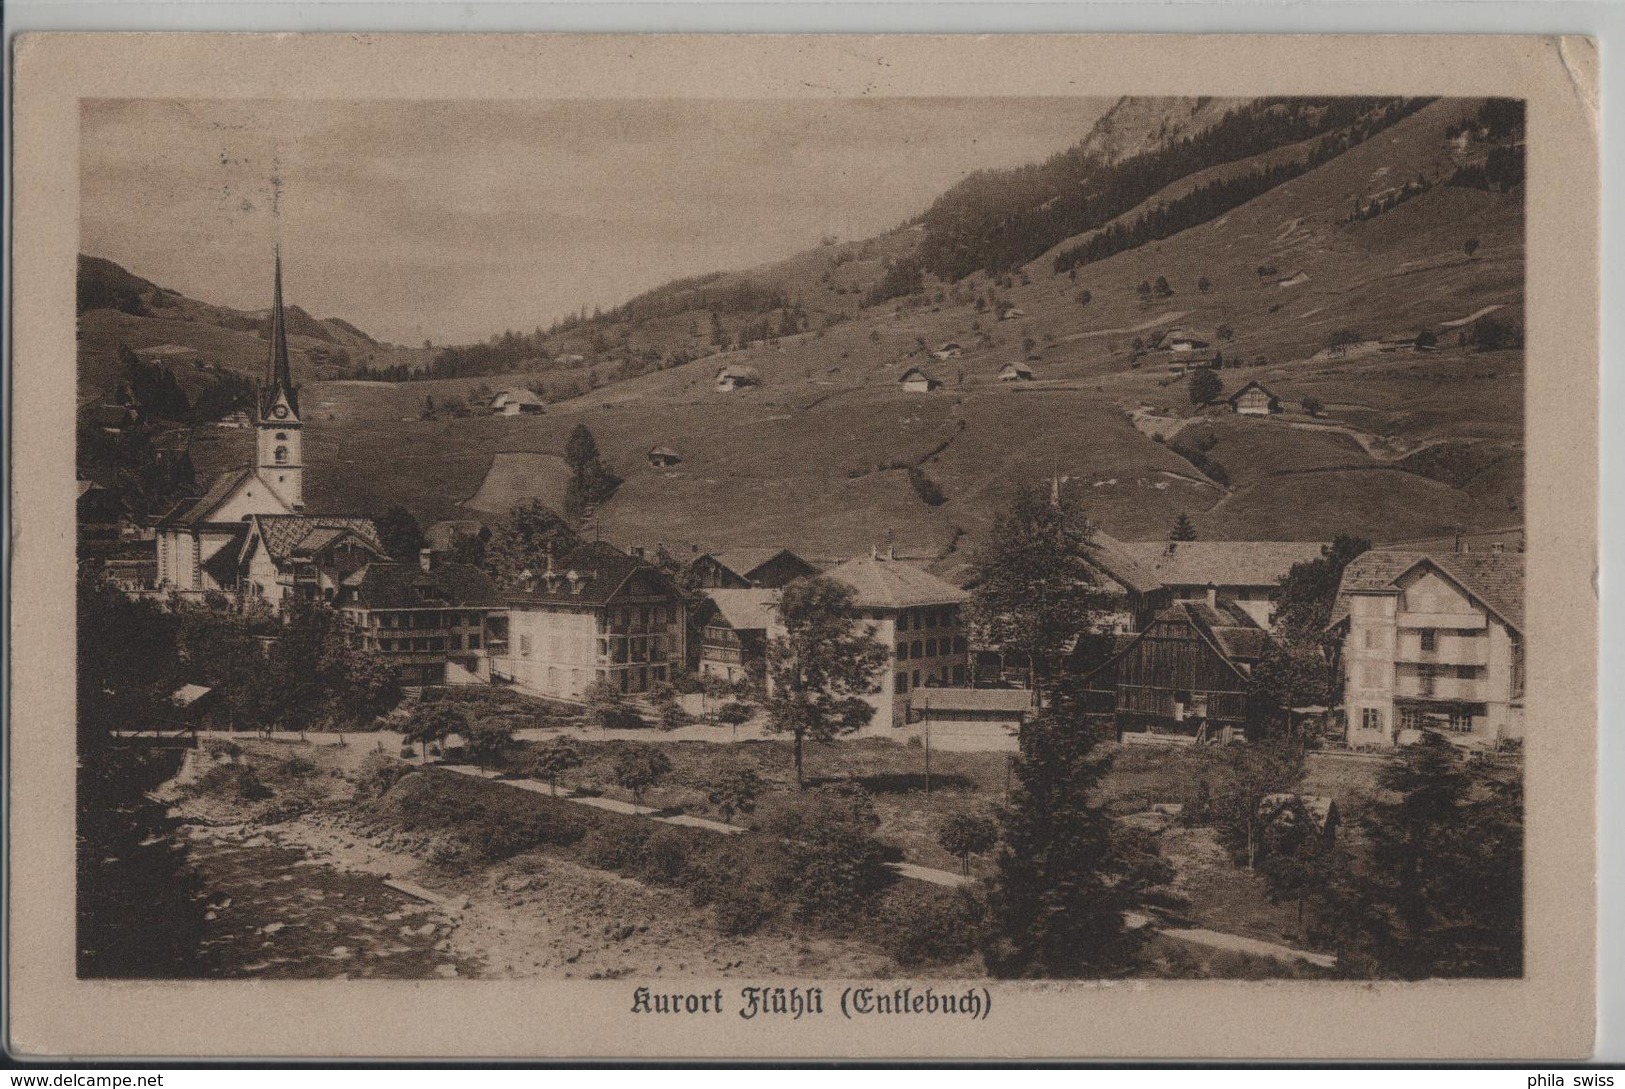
930, 648
639, 648
640, 616
423, 619
906, 680
944, 616
1456, 719
438, 643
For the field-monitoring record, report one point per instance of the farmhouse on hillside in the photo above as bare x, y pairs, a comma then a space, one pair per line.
1432, 640
920, 620
734, 633
736, 376
664, 457
518, 402
1180, 340
1188, 670
1254, 399
168, 353
950, 350
426, 620
600, 615
1243, 572
747, 568
914, 380
1017, 372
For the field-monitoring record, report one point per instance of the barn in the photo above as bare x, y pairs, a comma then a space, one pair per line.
914, 380
1254, 399
1189, 670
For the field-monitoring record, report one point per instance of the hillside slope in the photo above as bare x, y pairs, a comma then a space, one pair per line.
817, 458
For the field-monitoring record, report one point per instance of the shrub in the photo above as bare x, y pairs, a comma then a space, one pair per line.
490, 835
638, 767
615, 846
741, 909
377, 774
664, 858
297, 766
833, 876
926, 488
237, 782
920, 928
965, 834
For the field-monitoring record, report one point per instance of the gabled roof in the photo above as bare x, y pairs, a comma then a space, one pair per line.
1221, 563
1227, 628
601, 570
1495, 579
745, 610
1110, 556
916, 372
1254, 384
517, 397
665, 452
389, 585
894, 584
745, 562
197, 511
1021, 369
739, 370
291, 536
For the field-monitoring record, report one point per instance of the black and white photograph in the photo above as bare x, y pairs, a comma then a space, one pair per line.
755, 559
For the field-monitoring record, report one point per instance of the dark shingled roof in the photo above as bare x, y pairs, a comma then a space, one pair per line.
1494, 578
601, 569
1233, 633
1254, 384
386, 585
288, 535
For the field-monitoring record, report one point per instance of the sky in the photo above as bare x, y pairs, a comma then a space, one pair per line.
452, 221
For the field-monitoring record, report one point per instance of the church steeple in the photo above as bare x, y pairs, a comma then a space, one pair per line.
278, 383
280, 438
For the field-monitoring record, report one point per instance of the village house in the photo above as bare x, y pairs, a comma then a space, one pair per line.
950, 350
1431, 640
733, 639
736, 376
99, 514
1254, 399
518, 402
914, 380
664, 457
297, 557
1187, 672
747, 568
1017, 372
597, 615
920, 619
1128, 593
1245, 573
426, 620
168, 353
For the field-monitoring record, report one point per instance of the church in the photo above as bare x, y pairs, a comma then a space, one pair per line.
248, 536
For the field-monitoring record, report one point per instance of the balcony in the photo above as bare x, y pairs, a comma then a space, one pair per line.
1474, 621
1449, 689
1447, 650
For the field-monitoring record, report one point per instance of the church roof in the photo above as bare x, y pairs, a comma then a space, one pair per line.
196, 511
278, 372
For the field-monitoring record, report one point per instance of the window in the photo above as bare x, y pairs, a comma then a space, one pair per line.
474, 642
1461, 720
916, 649
1410, 718
281, 436
902, 683
457, 642
1517, 665
916, 679
1371, 718
1430, 639
902, 622
959, 644
524, 645
930, 618
1467, 673
930, 648
902, 651
281, 455
959, 674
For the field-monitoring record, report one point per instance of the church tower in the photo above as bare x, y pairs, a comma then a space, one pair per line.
281, 461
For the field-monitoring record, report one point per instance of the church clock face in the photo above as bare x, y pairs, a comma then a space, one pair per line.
280, 412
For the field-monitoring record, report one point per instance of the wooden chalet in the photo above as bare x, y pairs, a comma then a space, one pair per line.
1188, 670
915, 380
733, 639
1254, 399
748, 568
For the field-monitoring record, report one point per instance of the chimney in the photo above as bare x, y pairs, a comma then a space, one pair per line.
1212, 596
426, 558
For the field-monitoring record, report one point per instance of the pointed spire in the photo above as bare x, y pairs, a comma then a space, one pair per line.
277, 370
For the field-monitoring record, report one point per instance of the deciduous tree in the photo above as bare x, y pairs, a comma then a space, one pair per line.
823, 665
